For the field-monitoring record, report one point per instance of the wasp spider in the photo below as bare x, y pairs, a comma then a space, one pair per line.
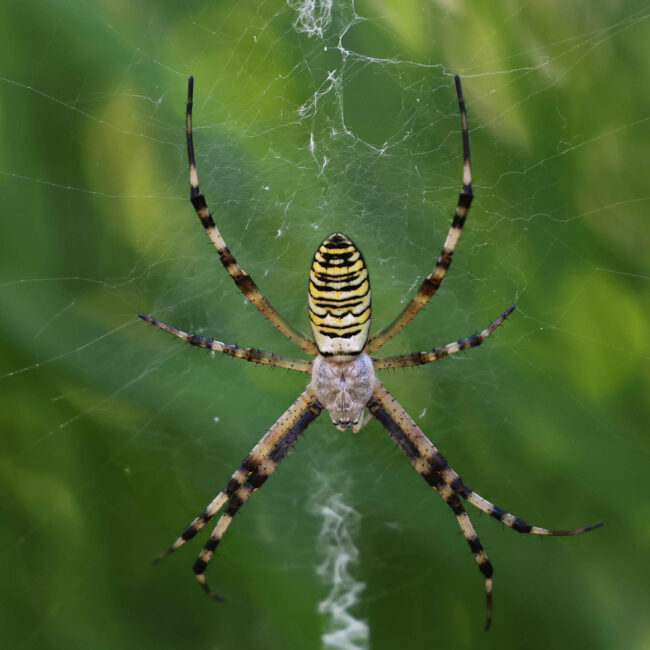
342, 373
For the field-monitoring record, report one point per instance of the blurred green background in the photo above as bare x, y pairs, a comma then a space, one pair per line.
309, 121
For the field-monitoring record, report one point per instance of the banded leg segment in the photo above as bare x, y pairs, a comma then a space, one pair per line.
241, 278
420, 358
262, 463
248, 354
416, 445
427, 469
272, 444
432, 282
482, 561
236, 480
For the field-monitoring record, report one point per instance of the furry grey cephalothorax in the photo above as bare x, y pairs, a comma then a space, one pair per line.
343, 388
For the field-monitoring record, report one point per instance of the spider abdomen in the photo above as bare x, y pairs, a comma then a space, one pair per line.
343, 387
339, 298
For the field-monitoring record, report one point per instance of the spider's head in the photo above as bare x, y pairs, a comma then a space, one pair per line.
342, 425
346, 419
339, 298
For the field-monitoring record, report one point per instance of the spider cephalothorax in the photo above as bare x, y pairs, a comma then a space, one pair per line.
343, 388
342, 373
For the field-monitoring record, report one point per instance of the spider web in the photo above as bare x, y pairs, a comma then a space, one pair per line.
310, 118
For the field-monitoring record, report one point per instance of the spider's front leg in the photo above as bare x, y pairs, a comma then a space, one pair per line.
255, 470
435, 470
400, 425
427, 469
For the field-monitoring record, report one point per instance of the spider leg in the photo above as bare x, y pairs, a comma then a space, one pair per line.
249, 354
505, 517
432, 282
241, 278
433, 467
236, 480
262, 462
484, 564
420, 358
428, 471
236, 502
393, 416
270, 441
255, 470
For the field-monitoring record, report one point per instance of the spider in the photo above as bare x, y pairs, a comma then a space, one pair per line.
343, 379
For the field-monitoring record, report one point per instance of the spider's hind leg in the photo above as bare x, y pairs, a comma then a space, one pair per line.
244, 281
432, 282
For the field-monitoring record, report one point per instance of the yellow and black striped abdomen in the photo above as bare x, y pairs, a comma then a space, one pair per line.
339, 298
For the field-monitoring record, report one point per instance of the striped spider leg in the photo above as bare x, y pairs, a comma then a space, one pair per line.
420, 358
241, 278
342, 373
432, 282
434, 469
253, 473
248, 354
